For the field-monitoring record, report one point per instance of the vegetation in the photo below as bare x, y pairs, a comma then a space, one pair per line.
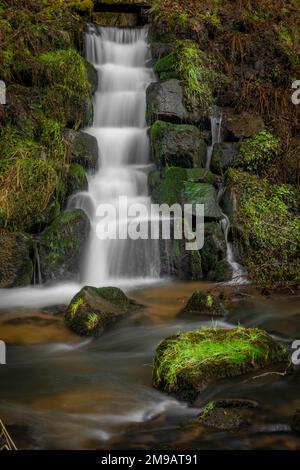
269, 221
187, 360
47, 90
194, 69
257, 153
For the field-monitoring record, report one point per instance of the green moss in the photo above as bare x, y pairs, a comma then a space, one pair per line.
169, 191
74, 306
194, 69
257, 153
92, 321
184, 361
267, 215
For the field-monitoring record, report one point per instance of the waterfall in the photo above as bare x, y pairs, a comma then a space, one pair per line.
120, 57
239, 274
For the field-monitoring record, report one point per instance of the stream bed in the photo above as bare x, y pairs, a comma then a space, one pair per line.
61, 391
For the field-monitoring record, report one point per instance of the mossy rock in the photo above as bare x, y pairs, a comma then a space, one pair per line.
185, 364
202, 193
92, 77
224, 155
93, 309
214, 249
82, 148
222, 419
204, 303
60, 246
177, 145
16, 267
76, 179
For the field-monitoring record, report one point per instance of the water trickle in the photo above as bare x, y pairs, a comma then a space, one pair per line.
120, 57
239, 274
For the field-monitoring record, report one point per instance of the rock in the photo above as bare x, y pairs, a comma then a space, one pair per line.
82, 148
202, 193
93, 309
222, 419
166, 102
186, 363
76, 179
204, 303
224, 156
92, 76
177, 145
60, 246
16, 267
214, 249
178, 262
160, 49
235, 403
238, 126
223, 272
296, 421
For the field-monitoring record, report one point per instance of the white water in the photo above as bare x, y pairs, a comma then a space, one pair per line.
239, 274
120, 57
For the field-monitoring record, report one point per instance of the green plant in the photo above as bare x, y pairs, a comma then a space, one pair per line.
92, 321
257, 153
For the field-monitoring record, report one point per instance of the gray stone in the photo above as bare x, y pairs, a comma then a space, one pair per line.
82, 148
224, 156
60, 246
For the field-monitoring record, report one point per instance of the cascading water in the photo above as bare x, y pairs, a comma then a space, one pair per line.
120, 57
239, 274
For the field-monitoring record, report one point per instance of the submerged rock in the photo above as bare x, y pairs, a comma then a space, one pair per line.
82, 148
204, 303
177, 145
60, 246
222, 419
16, 267
93, 309
185, 364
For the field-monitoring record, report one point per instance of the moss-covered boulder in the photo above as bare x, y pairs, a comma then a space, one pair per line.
60, 246
204, 303
178, 262
224, 155
186, 363
82, 148
16, 267
222, 419
214, 249
76, 179
202, 193
177, 145
93, 309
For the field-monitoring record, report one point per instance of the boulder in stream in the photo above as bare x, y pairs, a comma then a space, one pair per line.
93, 309
186, 363
204, 303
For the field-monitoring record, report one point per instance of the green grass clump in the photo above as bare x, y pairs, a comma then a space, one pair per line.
187, 360
194, 69
257, 153
74, 306
92, 321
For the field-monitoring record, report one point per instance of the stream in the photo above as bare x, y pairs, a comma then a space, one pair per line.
60, 391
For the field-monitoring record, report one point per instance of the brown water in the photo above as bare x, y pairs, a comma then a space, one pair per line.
59, 391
